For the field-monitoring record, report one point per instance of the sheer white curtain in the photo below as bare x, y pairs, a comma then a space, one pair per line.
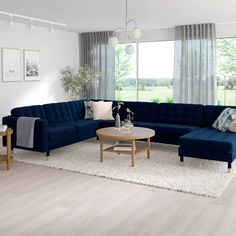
195, 64
99, 55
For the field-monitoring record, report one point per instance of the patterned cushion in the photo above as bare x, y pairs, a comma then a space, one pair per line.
88, 110
224, 120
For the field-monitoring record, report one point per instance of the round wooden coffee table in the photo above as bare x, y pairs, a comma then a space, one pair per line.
137, 133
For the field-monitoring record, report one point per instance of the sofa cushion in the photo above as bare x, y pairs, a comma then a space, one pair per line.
29, 111
58, 113
209, 139
176, 113
143, 111
102, 110
86, 126
106, 123
172, 130
211, 113
61, 131
77, 109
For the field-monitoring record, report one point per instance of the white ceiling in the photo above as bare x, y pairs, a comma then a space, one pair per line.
98, 15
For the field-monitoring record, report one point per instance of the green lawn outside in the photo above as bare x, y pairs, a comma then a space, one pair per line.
164, 93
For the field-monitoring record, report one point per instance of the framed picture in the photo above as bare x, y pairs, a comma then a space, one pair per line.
31, 65
11, 65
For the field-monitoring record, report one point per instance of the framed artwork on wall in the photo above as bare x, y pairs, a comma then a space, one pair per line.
31, 65
11, 65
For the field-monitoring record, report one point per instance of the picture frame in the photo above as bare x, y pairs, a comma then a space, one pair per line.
11, 65
31, 65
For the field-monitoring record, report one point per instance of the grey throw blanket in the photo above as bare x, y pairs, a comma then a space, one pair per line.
25, 131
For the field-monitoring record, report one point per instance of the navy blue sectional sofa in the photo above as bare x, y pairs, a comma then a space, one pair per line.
186, 125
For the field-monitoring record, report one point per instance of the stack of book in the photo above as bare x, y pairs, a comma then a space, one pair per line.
3, 128
123, 146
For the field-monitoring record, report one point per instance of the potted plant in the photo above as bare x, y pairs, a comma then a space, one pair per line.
78, 83
127, 123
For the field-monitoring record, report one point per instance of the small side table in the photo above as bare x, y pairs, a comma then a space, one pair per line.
7, 158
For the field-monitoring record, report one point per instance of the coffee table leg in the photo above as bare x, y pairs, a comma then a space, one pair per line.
148, 148
133, 152
101, 149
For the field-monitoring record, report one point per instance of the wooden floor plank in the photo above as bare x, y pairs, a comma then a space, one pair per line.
36, 200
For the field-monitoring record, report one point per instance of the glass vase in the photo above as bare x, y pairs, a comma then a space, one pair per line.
117, 123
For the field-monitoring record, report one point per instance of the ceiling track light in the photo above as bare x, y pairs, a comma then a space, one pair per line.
11, 20
52, 28
134, 34
32, 21
31, 24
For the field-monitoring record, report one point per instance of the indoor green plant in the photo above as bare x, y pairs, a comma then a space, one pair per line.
127, 123
78, 83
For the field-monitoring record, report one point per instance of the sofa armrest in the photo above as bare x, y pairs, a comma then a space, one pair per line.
40, 133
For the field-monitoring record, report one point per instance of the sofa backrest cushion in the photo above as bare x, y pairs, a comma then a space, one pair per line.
58, 113
178, 113
29, 111
211, 113
143, 111
77, 109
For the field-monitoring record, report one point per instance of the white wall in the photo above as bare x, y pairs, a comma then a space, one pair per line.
57, 50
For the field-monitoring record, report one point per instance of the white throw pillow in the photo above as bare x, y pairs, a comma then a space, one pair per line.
102, 111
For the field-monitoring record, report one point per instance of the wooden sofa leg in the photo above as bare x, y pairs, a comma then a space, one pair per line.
229, 167
48, 153
181, 158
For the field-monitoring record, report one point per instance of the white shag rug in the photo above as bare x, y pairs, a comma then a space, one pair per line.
163, 170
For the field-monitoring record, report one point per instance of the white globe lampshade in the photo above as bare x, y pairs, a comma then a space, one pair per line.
129, 50
136, 33
113, 41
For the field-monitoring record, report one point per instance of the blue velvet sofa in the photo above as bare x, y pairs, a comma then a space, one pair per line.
186, 125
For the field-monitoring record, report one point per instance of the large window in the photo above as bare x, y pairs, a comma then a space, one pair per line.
156, 64
148, 74
226, 71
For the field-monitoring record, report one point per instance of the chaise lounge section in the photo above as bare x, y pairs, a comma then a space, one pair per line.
208, 143
186, 125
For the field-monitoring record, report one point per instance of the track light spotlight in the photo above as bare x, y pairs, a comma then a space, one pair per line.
10, 20
52, 28
31, 25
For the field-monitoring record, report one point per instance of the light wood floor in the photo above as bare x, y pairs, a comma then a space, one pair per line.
37, 200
